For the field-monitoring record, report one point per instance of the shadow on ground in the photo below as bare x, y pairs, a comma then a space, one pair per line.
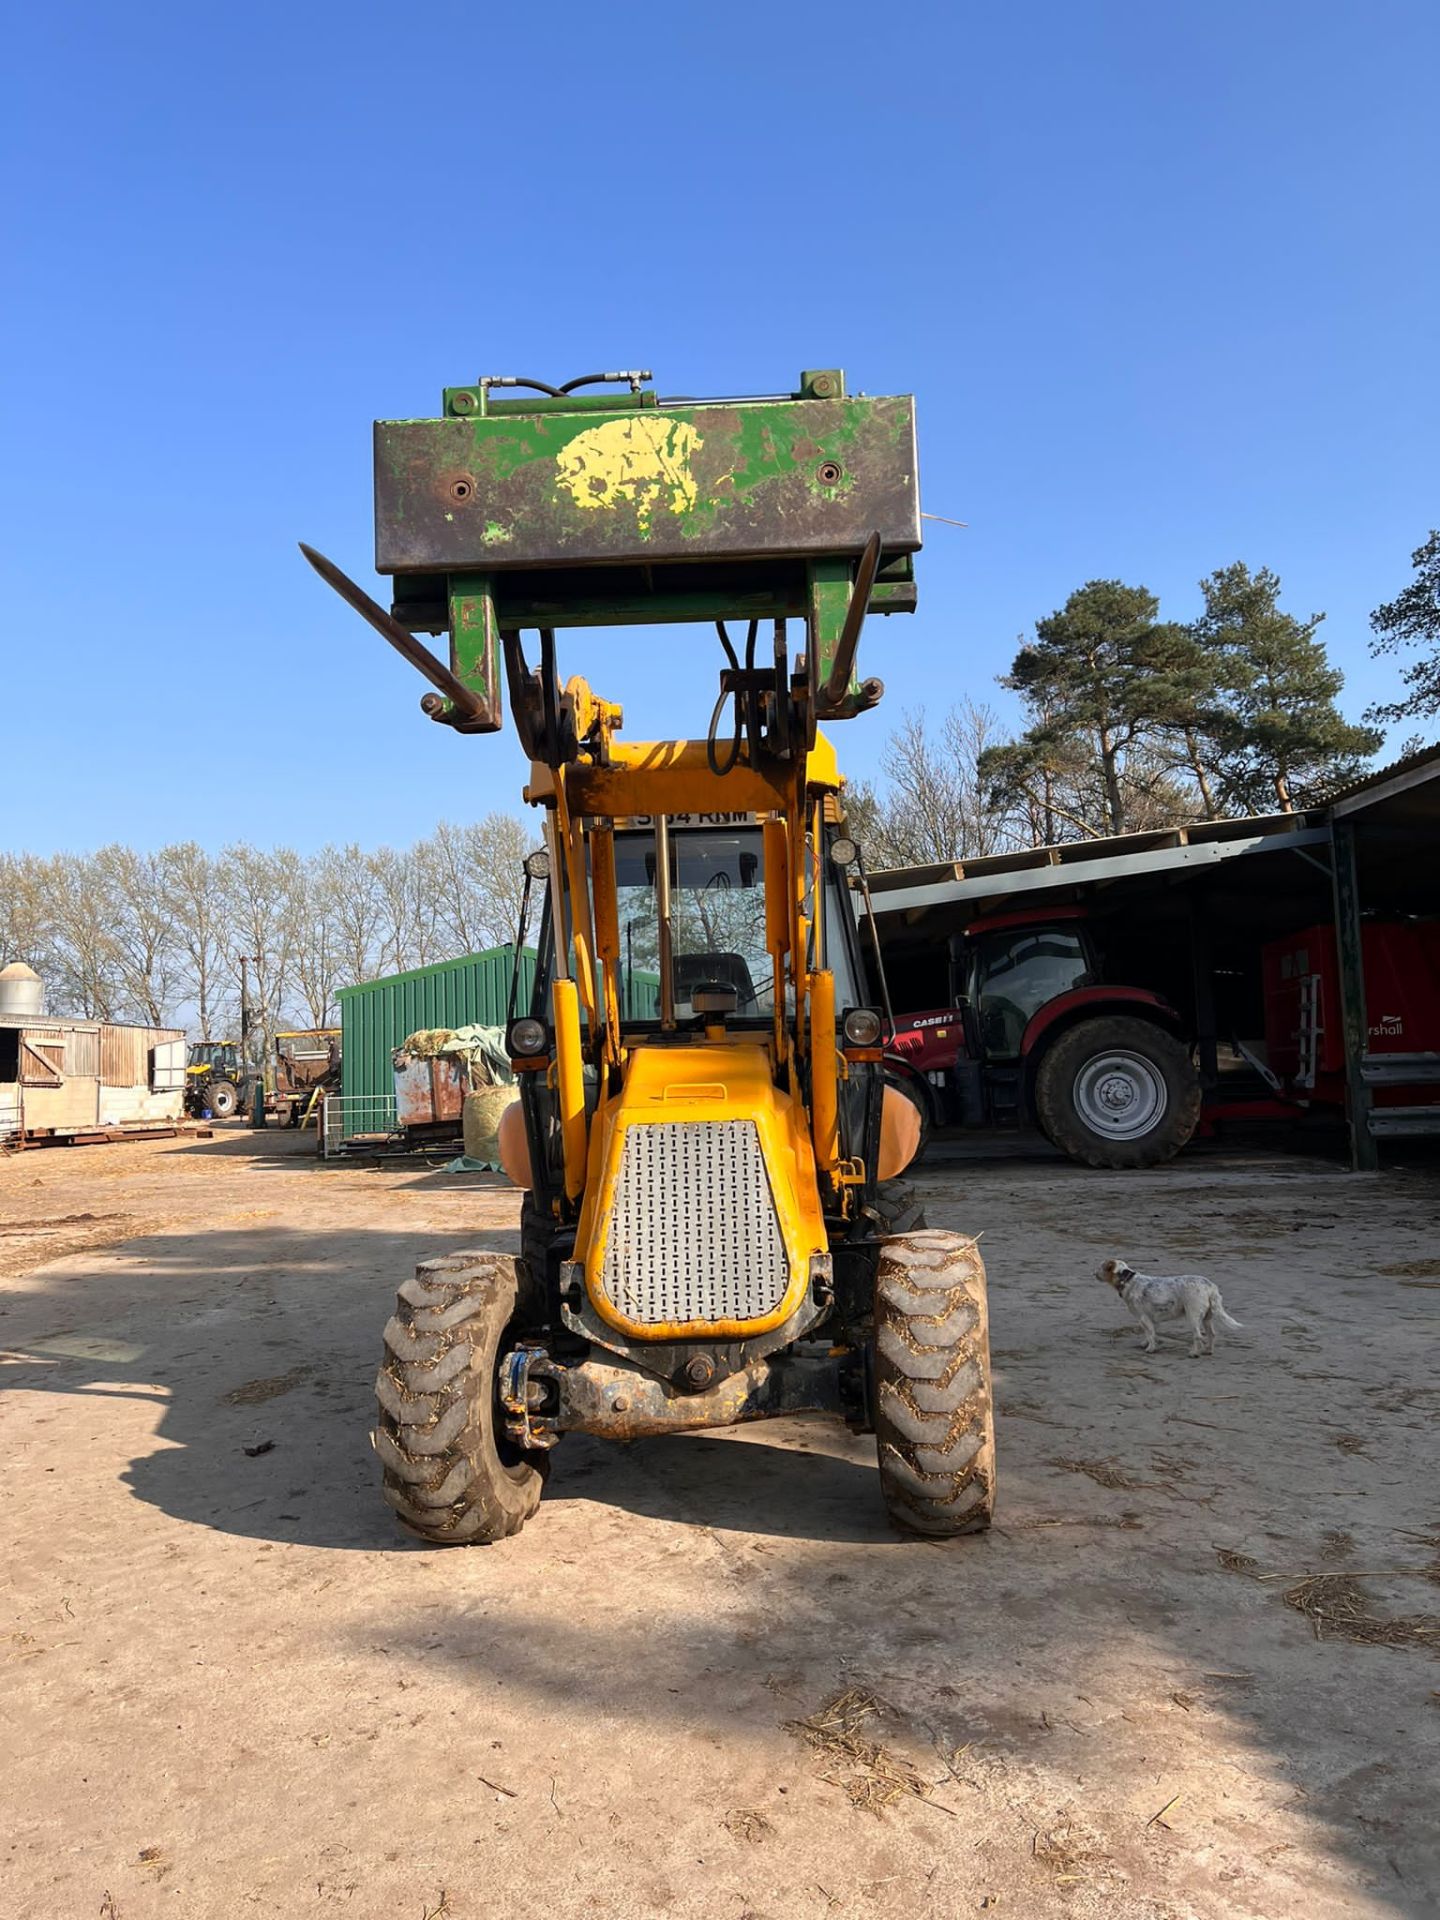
771, 1595
274, 1342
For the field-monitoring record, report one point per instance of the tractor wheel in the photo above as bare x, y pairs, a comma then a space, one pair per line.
450, 1472
223, 1098
934, 1427
899, 1210
1117, 1092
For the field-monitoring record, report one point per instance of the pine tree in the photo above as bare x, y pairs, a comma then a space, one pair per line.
1046, 786
1277, 738
1412, 619
1105, 671
1186, 704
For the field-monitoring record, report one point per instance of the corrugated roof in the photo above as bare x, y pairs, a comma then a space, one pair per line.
1424, 762
1109, 855
432, 972
1106, 847
1091, 861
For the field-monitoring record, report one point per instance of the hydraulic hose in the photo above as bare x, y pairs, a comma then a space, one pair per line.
749, 708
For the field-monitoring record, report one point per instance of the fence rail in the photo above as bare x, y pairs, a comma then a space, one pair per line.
348, 1120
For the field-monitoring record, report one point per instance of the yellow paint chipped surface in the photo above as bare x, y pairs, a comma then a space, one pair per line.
640, 462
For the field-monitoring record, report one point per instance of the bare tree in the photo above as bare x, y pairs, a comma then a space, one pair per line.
83, 954
934, 804
157, 937
27, 921
192, 888
310, 900
475, 872
348, 880
409, 930
257, 895
936, 796
141, 930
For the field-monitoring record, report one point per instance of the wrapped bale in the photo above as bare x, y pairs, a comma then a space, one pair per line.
481, 1122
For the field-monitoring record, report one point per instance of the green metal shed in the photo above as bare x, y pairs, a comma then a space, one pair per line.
377, 1015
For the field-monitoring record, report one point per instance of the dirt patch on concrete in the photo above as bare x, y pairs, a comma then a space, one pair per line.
254, 1392
25, 1244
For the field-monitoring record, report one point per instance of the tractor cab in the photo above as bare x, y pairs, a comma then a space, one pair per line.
214, 1056
1006, 967
718, 924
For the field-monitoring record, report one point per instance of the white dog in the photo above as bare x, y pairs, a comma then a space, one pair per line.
1184, 1295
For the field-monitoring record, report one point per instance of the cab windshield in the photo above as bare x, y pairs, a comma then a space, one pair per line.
717, 921
1017, 974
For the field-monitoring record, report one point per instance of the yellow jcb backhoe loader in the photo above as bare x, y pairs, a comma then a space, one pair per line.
712, 1228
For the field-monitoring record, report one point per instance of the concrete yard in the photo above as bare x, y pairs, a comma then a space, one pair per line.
232, 1685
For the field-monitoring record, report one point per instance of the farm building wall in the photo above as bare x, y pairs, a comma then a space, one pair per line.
378, 1014
72, 1076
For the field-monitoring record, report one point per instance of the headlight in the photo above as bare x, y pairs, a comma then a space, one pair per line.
844, 852
862, 1027
528, 1036
537, 864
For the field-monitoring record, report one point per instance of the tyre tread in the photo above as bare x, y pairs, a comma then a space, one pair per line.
899, 1207
934, 1420
434, 1432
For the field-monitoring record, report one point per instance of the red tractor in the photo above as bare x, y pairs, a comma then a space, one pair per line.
1035, 1035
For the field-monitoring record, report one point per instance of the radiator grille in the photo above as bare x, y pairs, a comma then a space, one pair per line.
694, 1235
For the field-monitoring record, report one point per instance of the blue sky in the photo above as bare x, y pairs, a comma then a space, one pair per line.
1161, 276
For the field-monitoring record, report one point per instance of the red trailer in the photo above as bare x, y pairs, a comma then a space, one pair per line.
1304, 1036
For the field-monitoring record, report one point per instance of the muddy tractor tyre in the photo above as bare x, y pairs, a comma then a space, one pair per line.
898, 1208
450, 1472
1117, 1092
223, 1099
934, 1423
